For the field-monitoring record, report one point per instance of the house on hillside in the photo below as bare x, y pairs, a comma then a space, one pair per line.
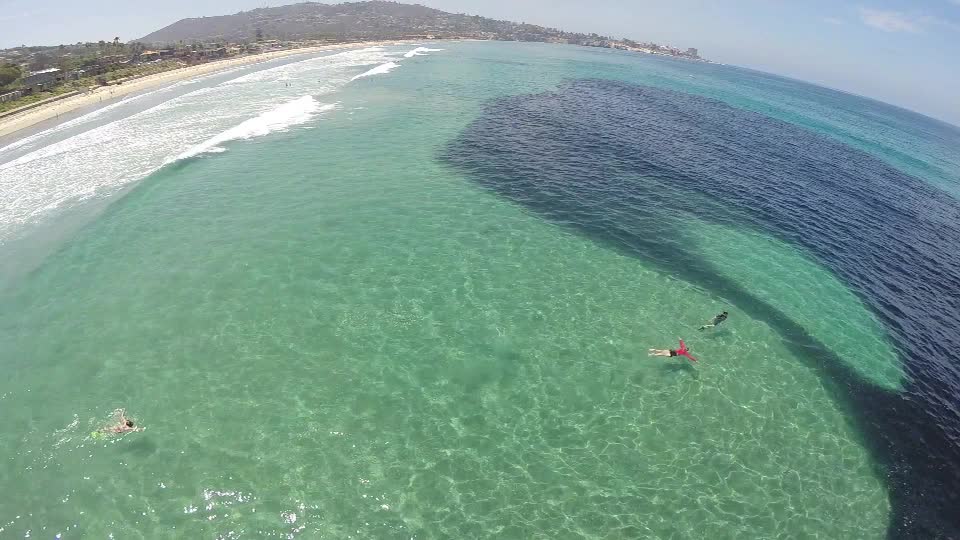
149, 56
215, 52
111, 61
40, 81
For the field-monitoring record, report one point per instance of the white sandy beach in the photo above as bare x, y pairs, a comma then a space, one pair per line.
16, 122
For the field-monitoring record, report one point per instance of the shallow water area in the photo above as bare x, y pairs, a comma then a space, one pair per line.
813, 297
331, 329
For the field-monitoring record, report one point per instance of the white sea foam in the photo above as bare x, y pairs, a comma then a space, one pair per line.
52, 176
71, 123
420, 51
295, 70
92, 115
379, 70
281, 118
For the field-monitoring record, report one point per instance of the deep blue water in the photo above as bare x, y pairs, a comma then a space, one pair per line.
624, 164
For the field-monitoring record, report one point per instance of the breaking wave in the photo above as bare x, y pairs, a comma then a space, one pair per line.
420, 51
379, 70
289, 114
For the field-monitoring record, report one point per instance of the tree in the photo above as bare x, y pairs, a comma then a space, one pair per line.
40, 61
68, 64
116, 42
8, 74
259, 34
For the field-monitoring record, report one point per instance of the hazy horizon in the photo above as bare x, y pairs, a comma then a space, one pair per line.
893, 51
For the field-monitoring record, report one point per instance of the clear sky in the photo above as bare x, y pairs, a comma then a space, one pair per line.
905, 52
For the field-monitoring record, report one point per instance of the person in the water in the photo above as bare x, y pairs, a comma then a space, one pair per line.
123, 425
682, 351
716, 320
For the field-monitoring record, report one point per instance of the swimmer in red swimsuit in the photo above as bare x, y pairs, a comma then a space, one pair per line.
682, 351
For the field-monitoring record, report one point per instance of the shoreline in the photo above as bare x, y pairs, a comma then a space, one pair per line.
25, 119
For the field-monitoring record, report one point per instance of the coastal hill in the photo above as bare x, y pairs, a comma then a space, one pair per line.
311, 20
371, 20
29, 75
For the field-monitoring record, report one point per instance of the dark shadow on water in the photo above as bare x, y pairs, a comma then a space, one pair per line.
637, 379
680, 367
885, 421
141, 447
714, 334
581, 186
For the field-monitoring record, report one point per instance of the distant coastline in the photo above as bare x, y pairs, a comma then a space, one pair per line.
38, 83
25, 119
33, 115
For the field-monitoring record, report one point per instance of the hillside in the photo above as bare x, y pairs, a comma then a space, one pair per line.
310, 20
370, 20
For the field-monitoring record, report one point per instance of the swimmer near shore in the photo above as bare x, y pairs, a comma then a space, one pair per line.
120, 425
682, 351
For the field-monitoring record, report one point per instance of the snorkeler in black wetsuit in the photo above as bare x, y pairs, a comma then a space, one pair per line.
716, 320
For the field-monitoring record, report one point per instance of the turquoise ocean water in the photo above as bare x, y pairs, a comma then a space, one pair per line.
329, 331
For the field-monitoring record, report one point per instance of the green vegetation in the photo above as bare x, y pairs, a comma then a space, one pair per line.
138, 71
377, 19
39, 96
8, 74
70, 57
90, 82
